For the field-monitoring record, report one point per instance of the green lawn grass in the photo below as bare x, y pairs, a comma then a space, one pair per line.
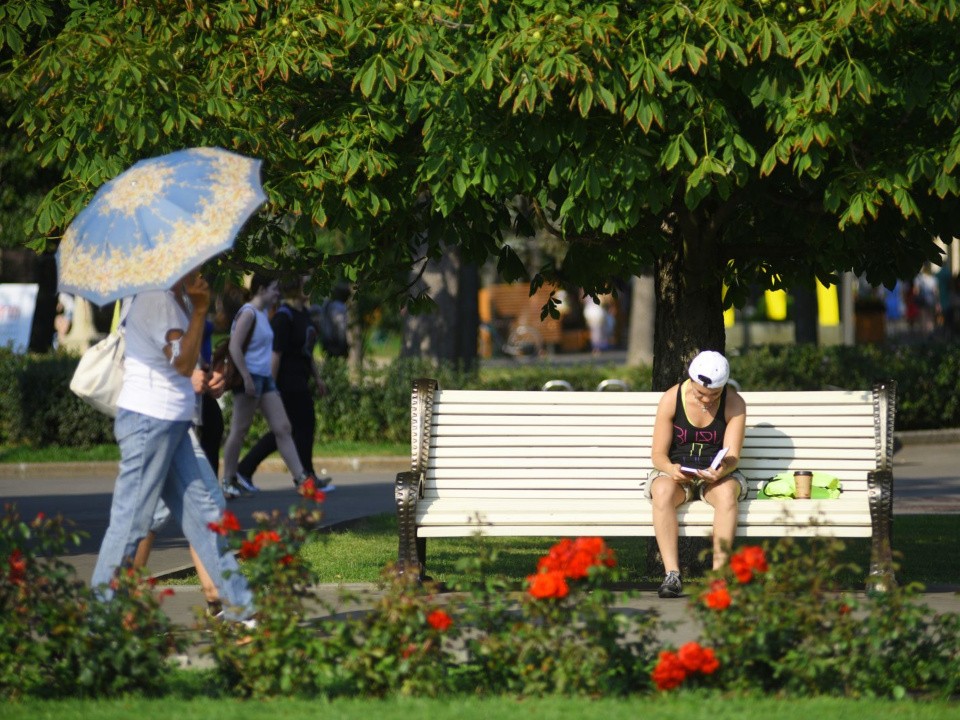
926, 548
107, 453
682, 706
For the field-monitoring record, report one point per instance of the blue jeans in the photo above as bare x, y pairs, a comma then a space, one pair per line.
158, 461
161, 516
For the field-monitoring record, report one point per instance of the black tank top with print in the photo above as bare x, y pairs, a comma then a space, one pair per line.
694, 446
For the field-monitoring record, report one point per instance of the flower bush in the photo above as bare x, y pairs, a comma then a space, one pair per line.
780, 622
775, 620
557, 634
56, 638
562, 635
274, 658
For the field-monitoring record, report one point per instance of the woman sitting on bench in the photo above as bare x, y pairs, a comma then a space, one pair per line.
697, 437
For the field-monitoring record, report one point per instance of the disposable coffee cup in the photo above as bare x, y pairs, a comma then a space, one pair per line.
803, 480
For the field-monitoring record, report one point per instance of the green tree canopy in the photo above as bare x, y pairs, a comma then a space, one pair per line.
722, 141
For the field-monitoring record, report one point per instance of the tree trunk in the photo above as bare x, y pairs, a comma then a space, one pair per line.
643, 308
689, 316
449, 333
45, 275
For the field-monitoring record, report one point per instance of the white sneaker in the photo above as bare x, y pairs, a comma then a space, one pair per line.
246, 485
230, 489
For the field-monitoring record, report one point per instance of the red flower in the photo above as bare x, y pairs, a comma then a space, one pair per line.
696, 658
555, 559
719, 597
309, 490
844, 609
748, 561
439, 620
249, 549
266, 537
166, 592
228, 523
408, 650
669, 672
710, 663
18, 567
550, 584
574, 558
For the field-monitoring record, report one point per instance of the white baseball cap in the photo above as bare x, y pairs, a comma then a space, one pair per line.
710, 369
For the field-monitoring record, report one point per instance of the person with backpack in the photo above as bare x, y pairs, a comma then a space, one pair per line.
296, 373
331, 320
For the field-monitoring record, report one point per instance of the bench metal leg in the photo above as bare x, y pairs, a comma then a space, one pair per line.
410, 558
422, 556
881, 578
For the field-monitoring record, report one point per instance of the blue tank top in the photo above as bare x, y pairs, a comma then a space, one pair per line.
694, 446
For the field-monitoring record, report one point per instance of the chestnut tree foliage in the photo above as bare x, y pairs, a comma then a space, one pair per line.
722, 142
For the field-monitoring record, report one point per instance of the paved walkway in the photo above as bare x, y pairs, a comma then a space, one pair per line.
927, 481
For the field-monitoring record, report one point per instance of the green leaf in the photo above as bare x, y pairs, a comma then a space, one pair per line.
510, 266
671, 154
769, 162
585, 100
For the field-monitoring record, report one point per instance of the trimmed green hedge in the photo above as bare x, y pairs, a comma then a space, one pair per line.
37, 408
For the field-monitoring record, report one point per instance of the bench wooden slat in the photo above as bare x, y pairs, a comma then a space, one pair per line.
754, 398
439, 518
638, 442
631, 411
612, 467
756, 434
589, 452
687, 530
855, 493
599, 421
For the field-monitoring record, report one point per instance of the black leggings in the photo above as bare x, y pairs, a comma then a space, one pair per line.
210, 433
303, 421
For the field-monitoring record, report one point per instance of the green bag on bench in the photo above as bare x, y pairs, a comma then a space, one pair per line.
781, 487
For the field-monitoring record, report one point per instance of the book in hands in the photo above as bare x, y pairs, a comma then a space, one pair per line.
713, 465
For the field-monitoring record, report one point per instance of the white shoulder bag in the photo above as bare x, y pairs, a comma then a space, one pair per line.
99, 374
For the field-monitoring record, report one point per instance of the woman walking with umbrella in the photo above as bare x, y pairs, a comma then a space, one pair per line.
144, 235
155, 411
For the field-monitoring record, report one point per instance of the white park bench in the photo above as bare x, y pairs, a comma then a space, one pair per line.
549, 464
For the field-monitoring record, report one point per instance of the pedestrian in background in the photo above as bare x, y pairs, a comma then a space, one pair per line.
297, 374
255, 365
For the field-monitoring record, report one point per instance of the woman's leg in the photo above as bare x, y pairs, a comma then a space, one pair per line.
261, 450
209, 477
724, 498
272, 407
303, 421
147, 447
188, 495
666, 496
211, 431
244, 407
